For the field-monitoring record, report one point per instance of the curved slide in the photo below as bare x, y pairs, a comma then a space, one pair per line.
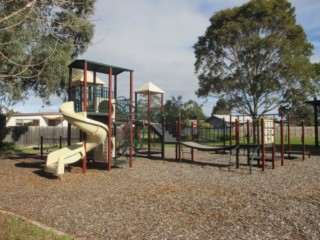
96, 134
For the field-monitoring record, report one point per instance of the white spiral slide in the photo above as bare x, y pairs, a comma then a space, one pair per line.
96, 134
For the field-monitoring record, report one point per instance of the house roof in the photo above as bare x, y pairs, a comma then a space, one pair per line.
46, 115
233, 118
149, 87
37, 114
53, 117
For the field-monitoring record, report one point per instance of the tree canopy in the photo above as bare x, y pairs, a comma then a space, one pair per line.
255, 56
38, 39
188, 110
221, 107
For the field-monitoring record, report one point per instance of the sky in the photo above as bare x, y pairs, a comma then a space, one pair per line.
155, 38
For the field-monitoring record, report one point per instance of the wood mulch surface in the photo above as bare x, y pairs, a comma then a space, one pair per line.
165, 199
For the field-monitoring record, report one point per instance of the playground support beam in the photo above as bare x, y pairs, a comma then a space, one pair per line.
69, 99
237, 129
84, 136
230, 130
192, 138
163, 127
282, 140
149, 123
263, 148
274, 145
303, 141
110, 121
131, 119
179, 137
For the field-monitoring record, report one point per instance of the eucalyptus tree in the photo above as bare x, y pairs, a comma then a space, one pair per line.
38, 39
255, 56
221, 107
188, 110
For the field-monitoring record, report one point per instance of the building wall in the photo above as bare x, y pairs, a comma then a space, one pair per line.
29, 120
25, 121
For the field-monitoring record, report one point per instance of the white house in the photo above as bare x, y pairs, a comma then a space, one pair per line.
217, 120
44, 119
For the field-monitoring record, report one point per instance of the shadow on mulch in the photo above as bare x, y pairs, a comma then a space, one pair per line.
32, 161
19, 156
43, 174
190, 162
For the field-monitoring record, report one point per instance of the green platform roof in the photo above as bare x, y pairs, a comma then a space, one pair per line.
98, 67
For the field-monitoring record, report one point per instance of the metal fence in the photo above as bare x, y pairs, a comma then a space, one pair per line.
24, 136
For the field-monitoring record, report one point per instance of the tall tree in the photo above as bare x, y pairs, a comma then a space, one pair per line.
221, 107
254, 56
38, 39
192, 110
188, 110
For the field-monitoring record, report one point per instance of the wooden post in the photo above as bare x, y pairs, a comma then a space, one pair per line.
41, 147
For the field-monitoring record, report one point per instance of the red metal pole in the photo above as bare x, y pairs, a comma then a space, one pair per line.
110, 121
274, 145
69, 99
230, 130
84, 137
224, 132
198, 130
179, 136
149, 122
282, 140
289, 143
237, 142
303, 141
262, 144
192, 138
131, 119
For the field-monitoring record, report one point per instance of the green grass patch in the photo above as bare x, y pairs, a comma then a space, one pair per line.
15, 228
8, 148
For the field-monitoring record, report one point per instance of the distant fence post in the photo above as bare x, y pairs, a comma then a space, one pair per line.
41, 147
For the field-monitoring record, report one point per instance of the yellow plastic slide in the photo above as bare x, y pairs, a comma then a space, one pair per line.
96, 134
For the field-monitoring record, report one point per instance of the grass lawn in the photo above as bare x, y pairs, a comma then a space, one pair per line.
16, 228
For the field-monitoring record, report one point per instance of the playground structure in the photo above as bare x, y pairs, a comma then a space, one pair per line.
96, 133
156, 134
255, 151
124, 124
122, 118
94, 102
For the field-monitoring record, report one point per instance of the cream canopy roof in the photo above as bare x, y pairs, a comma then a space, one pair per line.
80, 78
149, 87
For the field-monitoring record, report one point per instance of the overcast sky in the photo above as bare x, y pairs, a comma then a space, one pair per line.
155, 38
